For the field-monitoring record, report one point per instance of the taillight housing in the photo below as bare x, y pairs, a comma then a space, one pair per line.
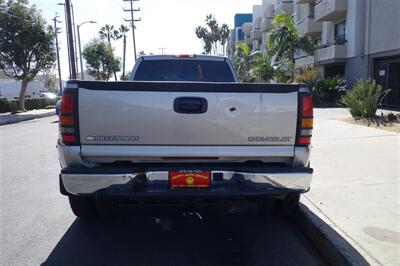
306, 120
68, 120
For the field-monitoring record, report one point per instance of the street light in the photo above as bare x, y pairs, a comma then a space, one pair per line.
79, 44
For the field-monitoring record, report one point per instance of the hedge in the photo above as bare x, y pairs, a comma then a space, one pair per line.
30, 104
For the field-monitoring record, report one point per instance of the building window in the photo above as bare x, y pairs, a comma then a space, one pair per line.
340, 33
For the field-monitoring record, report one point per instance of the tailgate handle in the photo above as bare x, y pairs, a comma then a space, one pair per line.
190, 105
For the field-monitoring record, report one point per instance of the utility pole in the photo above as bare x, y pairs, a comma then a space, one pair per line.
58, 52
66, 31
70, 38
162, 49
74, 28
132, 21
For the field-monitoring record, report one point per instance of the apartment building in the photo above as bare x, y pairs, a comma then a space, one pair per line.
236, 35
354, 38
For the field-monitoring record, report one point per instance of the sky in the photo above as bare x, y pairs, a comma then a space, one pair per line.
164, 24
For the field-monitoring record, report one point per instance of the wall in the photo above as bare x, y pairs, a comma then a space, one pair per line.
384, 26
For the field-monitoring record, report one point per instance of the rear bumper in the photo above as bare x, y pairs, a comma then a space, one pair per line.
153, 183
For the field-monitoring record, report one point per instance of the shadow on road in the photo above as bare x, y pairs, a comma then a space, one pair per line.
135, 239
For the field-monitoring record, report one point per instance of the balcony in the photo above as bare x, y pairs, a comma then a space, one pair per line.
286, 6
268, 11
305, 61
330, 10
266, 24
255, 34
248, 41
308, 26
304, 1
331, 54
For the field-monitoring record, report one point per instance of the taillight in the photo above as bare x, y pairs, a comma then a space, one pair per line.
306, 120
68, 119
185, 56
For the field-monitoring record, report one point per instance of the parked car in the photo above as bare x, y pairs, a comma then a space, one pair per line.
58, 106
49, 95
183, 130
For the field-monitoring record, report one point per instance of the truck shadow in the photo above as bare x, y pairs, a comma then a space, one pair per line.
168, 238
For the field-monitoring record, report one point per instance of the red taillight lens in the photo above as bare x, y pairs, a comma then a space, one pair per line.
68, 138
306, 121
307, 106
304, 140
67, 103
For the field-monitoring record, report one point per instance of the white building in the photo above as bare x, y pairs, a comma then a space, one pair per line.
10, 88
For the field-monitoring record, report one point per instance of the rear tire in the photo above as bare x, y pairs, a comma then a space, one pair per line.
287, 207
83, 207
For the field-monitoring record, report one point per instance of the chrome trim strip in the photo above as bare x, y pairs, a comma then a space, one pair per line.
90, 183
186, 151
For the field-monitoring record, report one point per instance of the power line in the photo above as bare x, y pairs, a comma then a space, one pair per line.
132, 21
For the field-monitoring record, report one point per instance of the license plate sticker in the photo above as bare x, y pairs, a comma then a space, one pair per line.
189, 179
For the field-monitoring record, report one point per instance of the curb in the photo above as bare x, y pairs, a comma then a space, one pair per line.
20, 118
334, 246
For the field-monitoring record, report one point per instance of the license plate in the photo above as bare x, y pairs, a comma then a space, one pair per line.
189, 179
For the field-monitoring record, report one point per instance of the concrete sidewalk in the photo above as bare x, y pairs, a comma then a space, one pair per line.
29, 115
356, 187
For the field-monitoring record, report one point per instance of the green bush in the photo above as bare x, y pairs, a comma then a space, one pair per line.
363, 99
331, 89
30, 104
4, 105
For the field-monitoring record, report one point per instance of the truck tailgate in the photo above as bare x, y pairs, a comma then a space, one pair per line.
136, 117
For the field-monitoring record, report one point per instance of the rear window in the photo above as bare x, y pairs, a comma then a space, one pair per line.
184, 70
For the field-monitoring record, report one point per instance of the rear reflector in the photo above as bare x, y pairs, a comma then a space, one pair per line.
68, 138
67, 103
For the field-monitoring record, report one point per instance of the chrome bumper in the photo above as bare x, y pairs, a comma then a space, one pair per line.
89, 183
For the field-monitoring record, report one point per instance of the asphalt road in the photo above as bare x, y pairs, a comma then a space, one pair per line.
37, 226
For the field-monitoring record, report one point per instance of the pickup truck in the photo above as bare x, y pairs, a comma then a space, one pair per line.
183, 130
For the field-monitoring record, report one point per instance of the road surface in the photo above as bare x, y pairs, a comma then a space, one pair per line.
37, 226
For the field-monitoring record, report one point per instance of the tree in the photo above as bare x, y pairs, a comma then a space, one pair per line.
123, 30
108, 32
26, 43
100, 59
285, 39
214, 38
263, 67
243, 61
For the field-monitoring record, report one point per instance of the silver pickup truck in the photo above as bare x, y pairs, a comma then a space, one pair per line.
183, 130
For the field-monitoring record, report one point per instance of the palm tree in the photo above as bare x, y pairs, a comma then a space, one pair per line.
108, 32
123, 30
224, 35
243, 61
285, 39
263, 68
